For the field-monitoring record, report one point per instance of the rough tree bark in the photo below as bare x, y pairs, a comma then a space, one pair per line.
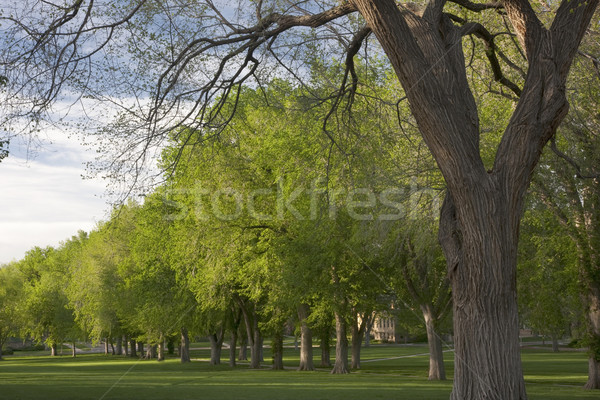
341, 346
184, 350
480, 218
306, 350
140, 348
53, 349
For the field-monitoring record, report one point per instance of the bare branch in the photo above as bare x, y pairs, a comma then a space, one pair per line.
571, 161
490, 52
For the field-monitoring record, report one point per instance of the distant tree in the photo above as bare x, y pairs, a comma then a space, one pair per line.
11, 291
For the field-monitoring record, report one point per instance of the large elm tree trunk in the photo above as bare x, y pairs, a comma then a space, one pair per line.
306, 350
479, 225
53, 349
341, 346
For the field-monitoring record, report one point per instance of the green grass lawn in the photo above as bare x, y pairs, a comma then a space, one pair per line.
387, 372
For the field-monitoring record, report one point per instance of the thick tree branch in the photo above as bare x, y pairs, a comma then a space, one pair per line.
567, 30
528, 27
477, 7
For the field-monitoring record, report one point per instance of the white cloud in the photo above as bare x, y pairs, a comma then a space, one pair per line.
45, 200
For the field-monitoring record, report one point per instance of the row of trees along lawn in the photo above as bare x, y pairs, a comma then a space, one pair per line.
282, 202
272, 223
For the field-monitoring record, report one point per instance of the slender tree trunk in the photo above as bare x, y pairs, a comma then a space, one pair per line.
232, 348
325, 336
119, 350
133, 345
53, 349
555, 343
358, 330
356, 343
341, 346
243, 353
161, 349
184, 348
261, 349
126, 346
112, 347
436, 355
593, 381
216, 344
256, 348
106, 346
277, 350
306, 350
73, 350
140, 346
368, 331
151, 352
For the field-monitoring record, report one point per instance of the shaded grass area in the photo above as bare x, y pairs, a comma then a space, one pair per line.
398, 372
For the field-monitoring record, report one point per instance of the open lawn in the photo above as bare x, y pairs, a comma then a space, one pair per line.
388, 372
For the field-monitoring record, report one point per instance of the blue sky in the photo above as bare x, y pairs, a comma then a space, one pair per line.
43, 198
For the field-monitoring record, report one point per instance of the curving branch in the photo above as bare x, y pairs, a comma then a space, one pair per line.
571, 161
478, 7
474, 28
